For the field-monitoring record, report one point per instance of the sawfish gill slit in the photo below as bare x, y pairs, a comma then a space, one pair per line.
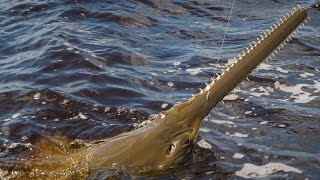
265, 47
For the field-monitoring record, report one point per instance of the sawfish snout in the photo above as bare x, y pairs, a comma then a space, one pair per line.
186, 117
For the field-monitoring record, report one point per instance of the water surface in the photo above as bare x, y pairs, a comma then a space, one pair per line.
89, 70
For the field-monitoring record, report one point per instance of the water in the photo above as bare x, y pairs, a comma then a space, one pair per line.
89, 70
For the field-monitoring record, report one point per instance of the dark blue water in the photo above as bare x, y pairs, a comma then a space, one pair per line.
89, 69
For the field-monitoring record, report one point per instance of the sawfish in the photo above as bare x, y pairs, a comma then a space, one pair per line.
168, 139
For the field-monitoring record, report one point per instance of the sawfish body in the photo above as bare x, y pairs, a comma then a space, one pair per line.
163, 143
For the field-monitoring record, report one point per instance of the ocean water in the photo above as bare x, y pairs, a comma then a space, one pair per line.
88, 70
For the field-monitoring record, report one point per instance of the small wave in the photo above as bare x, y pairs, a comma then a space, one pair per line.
28, 9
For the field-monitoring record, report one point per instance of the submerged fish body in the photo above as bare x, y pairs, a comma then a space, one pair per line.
163, 143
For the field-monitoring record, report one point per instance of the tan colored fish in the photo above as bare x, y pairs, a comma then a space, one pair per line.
162, 144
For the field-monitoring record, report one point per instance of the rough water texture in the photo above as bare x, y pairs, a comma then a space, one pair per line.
87, 70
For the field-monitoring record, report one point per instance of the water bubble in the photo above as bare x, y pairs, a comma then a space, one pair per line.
37, 96
164, 105
204, 144
263, 122
23, 138
15, 115
231, 97
82, 116
65, 101
170, 84
176, 63
106, 109
238, 156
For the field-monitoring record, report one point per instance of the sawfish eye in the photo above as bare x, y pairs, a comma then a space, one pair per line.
171, 149
187, 140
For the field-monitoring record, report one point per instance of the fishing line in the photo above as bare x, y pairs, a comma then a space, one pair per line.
225, 32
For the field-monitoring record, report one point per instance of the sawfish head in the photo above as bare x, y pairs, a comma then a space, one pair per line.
169, 138
175, 131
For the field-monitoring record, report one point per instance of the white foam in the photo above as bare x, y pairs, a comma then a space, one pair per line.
238, 156
14, 145
270, 89
265, 66
194, 71
143, 123
16, 115
23, 138
306, 75
231, 97
282, 126
237, 134
281, 70
298, 94
106, 109
154, 74
176, 63
221, 121
37, 96
316, 86
65, 101
253, 171
205, 130
233, 117
263, 122
164, 105
82, 116
170, 84
204, 144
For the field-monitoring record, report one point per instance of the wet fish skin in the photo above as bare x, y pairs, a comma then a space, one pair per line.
149, 148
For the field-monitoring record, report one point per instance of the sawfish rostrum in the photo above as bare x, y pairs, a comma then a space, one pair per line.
161, 144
